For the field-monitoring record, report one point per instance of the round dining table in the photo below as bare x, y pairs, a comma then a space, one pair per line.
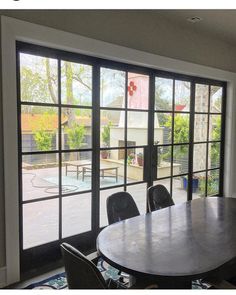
174, 245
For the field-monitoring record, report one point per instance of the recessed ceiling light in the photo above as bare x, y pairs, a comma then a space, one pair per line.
194, 19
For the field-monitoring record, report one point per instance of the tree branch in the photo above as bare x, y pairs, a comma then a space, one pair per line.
77, 78
49, 81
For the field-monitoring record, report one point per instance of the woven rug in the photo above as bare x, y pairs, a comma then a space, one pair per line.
54, 282
59, 282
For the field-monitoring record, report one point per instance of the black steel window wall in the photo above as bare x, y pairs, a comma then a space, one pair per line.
89, 127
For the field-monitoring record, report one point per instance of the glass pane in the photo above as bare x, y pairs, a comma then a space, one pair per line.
111, 167
181, 128
200, 127
138, 91
180, 158
199, 157
76, 83
76, 129
201, 98
38, 79
40, 176
199, 185
76, 215
76, 172
214, 155
139, 193
162, 128
179, 189
135, 163
213, 182
182, 95
215, 127
164, 162
165, 182
112, 128
40, 223
137, 123
163, 94
104, 194
112, 88
39, 128
216, 99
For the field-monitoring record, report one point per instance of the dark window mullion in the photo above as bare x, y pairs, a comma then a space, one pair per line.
222, 146
208, 134
126, 131
150, 167
191, 139
41, 199
59, 148
96, 149
172, 139
40, 104
41, 152
72, 106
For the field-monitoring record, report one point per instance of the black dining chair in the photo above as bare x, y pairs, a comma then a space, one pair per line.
81, 273
158, 197
121, 206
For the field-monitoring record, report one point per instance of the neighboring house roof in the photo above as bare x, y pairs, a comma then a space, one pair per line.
28, 121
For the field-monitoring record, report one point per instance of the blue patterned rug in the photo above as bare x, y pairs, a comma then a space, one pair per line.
58, 282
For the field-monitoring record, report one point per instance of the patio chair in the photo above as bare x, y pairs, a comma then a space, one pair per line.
158, 197
121, 206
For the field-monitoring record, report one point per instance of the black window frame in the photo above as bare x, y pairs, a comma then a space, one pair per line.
37, 256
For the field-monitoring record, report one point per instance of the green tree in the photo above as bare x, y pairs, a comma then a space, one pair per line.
215, 148
43, 140
43, 132
106, 134
181, 133
75, 136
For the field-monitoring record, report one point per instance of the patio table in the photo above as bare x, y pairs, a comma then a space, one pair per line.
77, 165
103, 169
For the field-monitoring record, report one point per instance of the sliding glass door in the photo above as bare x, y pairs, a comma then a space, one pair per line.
90, 127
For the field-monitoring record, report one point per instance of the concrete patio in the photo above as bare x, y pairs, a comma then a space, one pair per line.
41, 220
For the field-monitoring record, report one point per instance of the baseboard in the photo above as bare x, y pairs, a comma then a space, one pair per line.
3, 277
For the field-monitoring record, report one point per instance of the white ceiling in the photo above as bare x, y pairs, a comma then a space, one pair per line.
218, 23
211, 42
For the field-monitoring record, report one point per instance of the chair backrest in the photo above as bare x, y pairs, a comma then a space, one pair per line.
81, 273
158, 197
121, 206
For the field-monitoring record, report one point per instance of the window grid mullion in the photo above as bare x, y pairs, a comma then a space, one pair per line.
208, 135
172, 139
59, 148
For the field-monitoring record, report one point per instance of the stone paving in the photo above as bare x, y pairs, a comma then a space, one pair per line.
40, 219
